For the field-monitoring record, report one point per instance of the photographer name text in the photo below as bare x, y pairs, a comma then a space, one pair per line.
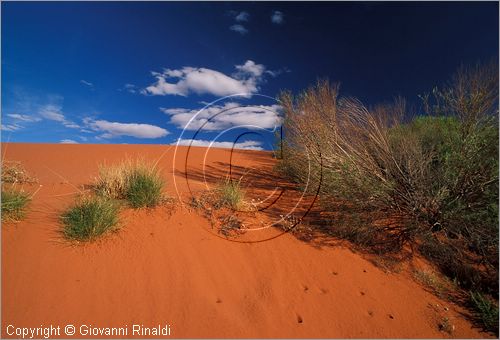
50, 331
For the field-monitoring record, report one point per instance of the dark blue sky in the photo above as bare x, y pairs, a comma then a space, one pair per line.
81, 71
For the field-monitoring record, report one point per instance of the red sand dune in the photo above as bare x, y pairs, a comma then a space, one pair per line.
170, 268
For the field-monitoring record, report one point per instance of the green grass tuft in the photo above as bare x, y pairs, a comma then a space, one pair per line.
144, 189
485, 311
14, 205
136, 181
90, 218
230, 194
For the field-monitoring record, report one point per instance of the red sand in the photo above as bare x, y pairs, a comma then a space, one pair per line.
170, 269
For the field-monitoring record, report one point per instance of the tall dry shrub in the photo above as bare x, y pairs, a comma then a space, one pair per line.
440, 171
360, 159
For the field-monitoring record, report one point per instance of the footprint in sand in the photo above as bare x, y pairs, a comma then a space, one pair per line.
362, 293
218, 301
323, 290
299, 319
370, 313
335, 273
305, 288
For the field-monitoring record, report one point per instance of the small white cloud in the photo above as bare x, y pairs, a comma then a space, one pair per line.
11, 127
221, 117
246, 145
54, 112
242, 16
239, 28
277, 17
114, 129
249, 69
24, 118
84, 82
207, 81
68, 141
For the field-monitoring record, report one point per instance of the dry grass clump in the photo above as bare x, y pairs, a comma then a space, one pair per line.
226, 194
221, 206
439, 170
446, 326
112, 180
432, 281
230, 225
137, 181
14, 172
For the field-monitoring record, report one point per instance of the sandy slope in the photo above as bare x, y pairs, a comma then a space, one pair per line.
169, 267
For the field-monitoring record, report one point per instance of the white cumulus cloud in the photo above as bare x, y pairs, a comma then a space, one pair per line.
115, 129
246, 145
201, 80
221, 117
249, 69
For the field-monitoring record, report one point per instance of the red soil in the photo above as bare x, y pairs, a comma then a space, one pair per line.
171, 268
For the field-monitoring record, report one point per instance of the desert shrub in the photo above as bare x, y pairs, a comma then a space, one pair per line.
90, 218
349, 149
14, 204
459, 182
136, 181
485, 311
438, 170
